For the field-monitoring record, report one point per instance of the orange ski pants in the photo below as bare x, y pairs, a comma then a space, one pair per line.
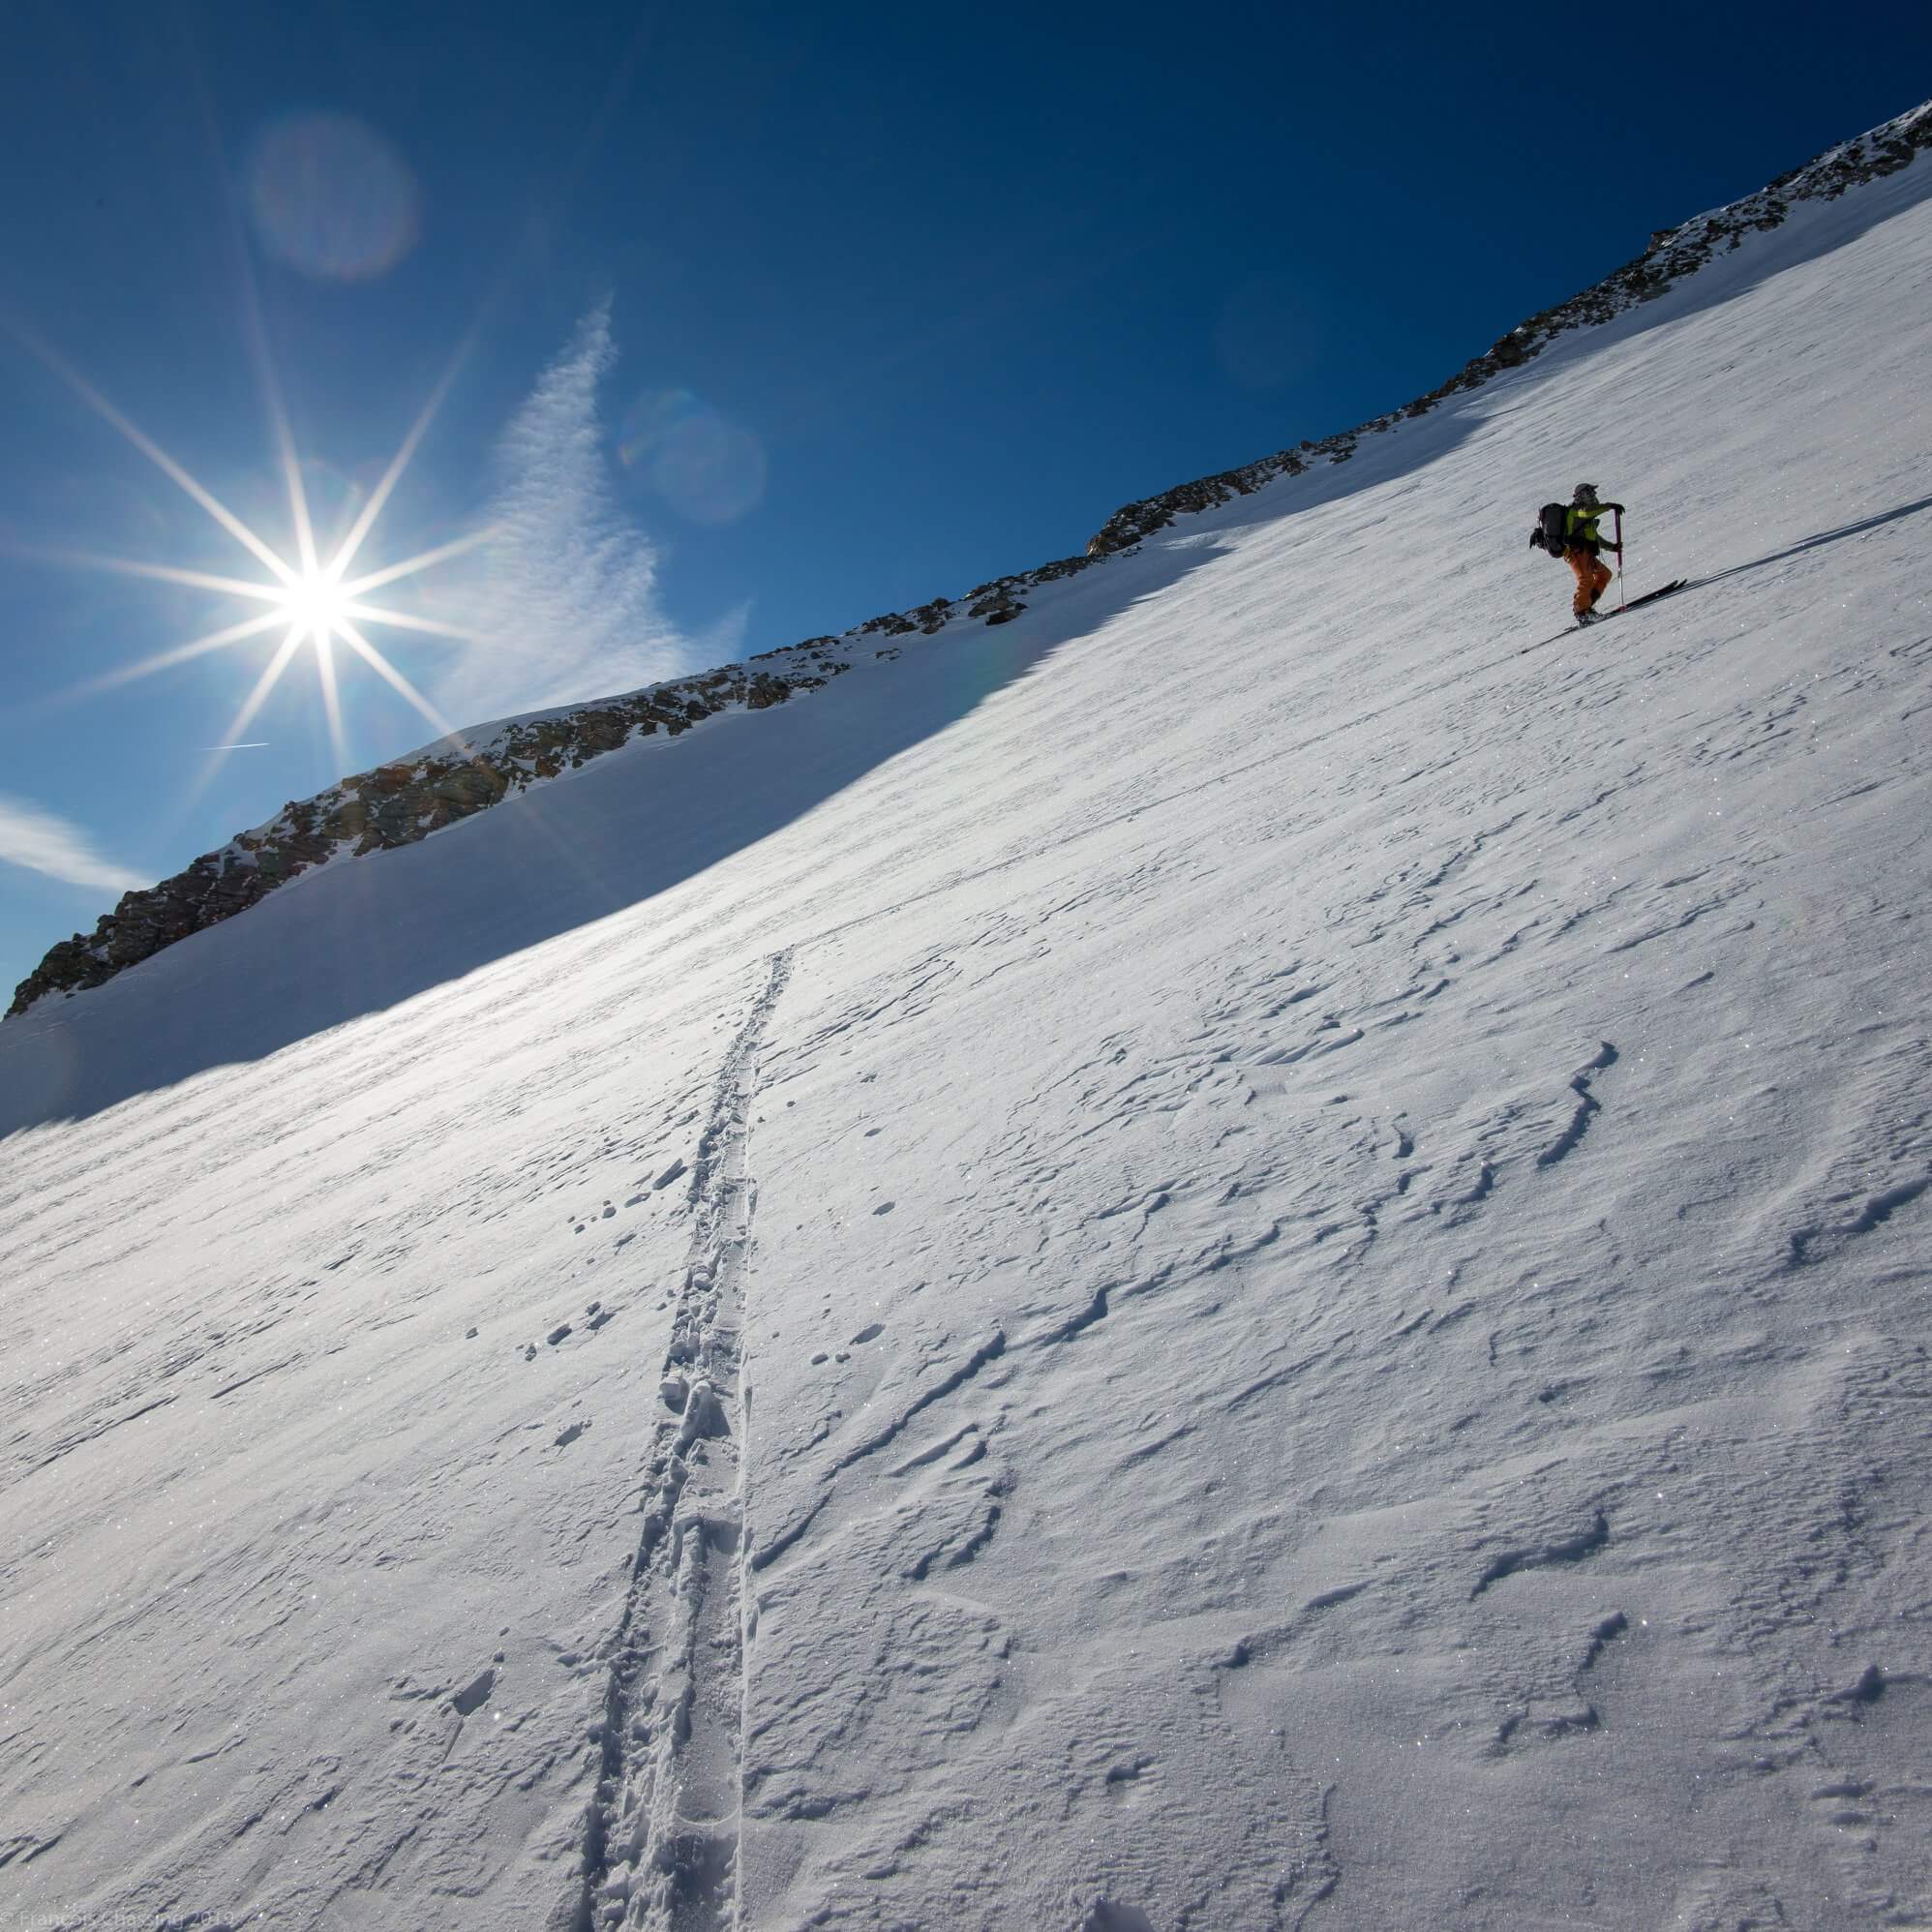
1592, 578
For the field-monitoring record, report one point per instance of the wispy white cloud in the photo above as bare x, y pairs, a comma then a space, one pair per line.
564, 595
42, 843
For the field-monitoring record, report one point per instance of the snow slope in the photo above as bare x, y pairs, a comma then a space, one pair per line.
1234, 1257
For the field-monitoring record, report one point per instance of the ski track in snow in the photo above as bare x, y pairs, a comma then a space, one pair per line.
1337, 1293
662, 1829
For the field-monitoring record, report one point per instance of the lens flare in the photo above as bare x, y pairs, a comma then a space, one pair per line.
331, 198
704, 467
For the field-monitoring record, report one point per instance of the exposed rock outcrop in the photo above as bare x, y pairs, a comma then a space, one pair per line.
403, 801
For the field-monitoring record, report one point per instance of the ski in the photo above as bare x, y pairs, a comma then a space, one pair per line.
1648, 597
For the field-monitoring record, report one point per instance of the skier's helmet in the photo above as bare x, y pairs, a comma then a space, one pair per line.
1585, 492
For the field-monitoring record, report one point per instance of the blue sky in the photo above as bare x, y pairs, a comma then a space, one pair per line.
742, 322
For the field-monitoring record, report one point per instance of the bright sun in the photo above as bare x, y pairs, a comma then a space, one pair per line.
308, 601
314, 605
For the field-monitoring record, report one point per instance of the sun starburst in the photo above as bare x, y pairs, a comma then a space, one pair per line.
313, 603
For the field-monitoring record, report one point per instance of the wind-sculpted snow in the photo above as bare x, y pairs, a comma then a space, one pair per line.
408, 799
1271, 1275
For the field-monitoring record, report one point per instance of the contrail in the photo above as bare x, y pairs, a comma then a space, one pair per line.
254, 745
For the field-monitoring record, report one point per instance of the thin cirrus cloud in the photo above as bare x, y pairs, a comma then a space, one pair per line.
42, 843
563, 597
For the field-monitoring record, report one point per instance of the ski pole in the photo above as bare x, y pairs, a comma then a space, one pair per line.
1619, 561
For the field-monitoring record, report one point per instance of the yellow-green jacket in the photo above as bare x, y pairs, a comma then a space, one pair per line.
1579, 525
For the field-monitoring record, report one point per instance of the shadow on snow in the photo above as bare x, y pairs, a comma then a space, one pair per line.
368, 933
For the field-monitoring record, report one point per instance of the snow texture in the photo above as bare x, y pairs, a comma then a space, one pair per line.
1228, 1257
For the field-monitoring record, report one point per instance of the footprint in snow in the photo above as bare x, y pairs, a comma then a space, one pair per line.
885, 1207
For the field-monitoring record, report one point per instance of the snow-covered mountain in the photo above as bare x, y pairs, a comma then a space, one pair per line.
414, 796
1234, 1255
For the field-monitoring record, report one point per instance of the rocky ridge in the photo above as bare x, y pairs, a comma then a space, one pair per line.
406, 800
1673, 254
